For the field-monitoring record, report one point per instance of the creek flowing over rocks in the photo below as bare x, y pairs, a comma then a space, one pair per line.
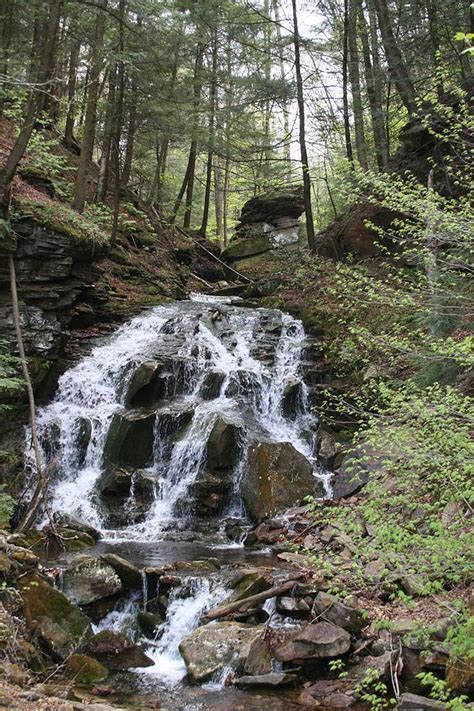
174, 438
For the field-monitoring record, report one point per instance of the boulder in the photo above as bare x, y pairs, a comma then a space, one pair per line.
129, 575
89, 580
413, 702
272, 205
272, 680
116, 652
321, 640
277, 477
144, 386
292, 398
148, 623
130, 439
222, 446
209, 491
59, 624
85, 670
328, 447
327, 695
248, 583
260, 658
332, 610
67, 521
212, 647
240, 248
293, 606
212, 383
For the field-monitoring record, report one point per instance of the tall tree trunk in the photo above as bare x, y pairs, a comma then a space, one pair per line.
132, 126
354, 74
267, 147
218, 199
191, 169
103, 179
34, 108
397, 67
117, 133
211, 137
71, 90
376, 111
302, 133
345, 92
6, 39
80, 188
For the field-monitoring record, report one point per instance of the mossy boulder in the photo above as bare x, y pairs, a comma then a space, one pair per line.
130, 438
278, 476
241, 248
58, 623
85, 670
144, 387
90, 579
248, 583
116, 651
130, 576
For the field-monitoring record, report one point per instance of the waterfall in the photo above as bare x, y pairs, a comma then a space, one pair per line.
256, 353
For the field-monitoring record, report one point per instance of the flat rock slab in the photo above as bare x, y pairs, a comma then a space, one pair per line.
212, 647
321, 640
274, 679
413, 702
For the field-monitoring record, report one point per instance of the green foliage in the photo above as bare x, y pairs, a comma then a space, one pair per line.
7, 507
374, 691
43, 156
9, 381
439, 690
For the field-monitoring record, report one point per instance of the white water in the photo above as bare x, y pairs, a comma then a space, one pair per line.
259, 352
94, 390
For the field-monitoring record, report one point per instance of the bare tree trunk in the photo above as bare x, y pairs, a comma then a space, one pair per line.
7, 26
376, 111
210, 152
218, 198
345, 93
103, 179
197, 83
80, 189
304, 155
397, 67
354, 74
117, 133
71, 91
41, 483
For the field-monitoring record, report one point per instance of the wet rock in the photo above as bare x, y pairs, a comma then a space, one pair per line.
292, 398
115, 651
129, 574
208, 565
89, 580
293, 606
212, 384
67, 521
59, 624
272, 680
321, 640
278, 477
248, 583
332, 610
147, 385
148, 623
130, 438
413, 702
85, 670
209, 492
260, 658
327, 695
209, 649
328, 447
222, 446
82, 439
270, 532
116, 483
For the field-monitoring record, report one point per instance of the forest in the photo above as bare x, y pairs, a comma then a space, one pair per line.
236, 354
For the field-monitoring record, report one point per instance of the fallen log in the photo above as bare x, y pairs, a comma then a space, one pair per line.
224, 610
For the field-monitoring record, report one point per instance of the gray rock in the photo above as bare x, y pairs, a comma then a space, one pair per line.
248, 583
260, 658
320, 640
89, 580
277, 477
212, 647
222, 446
128, 573
211, 387
67, 521
293, 606
116, 652
332, 610
130, 438
143, 386
272, 680
413, 702
148, 623
327, 695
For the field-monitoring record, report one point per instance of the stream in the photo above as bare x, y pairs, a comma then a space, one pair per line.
131, 426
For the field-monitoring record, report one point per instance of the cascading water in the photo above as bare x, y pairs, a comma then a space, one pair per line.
206, 360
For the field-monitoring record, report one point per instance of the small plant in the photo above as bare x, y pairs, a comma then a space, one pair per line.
338, 666
374, 691
7, 507
440, 691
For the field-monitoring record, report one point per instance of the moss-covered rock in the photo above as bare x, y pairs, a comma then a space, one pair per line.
130, 438
240, 249
116, 651
56, 621
85, 670
90, 579
278, 476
